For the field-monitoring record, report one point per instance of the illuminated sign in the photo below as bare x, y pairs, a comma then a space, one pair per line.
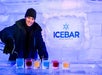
65, 33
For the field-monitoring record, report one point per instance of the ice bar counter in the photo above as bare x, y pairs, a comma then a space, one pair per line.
50, 67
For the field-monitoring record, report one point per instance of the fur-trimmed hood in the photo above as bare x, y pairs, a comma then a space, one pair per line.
21, 23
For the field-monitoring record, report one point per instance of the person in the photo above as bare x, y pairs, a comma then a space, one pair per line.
24, 38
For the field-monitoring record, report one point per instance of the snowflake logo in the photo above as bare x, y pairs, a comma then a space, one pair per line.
65, 26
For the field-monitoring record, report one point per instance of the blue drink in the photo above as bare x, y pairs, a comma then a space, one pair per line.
20, 63
45, 64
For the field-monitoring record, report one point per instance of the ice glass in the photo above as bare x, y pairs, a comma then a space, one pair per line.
28, 63
45, 64
55, 64
36, 64
65, 65
20, 63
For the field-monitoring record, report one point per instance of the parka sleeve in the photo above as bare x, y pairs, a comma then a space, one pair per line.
6, 33
42, 51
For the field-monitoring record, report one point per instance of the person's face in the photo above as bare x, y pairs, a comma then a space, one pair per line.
29, 21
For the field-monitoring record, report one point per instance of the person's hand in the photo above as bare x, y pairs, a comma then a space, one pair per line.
42, 58
9, 45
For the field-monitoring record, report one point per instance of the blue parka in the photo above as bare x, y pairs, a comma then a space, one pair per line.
27, 41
